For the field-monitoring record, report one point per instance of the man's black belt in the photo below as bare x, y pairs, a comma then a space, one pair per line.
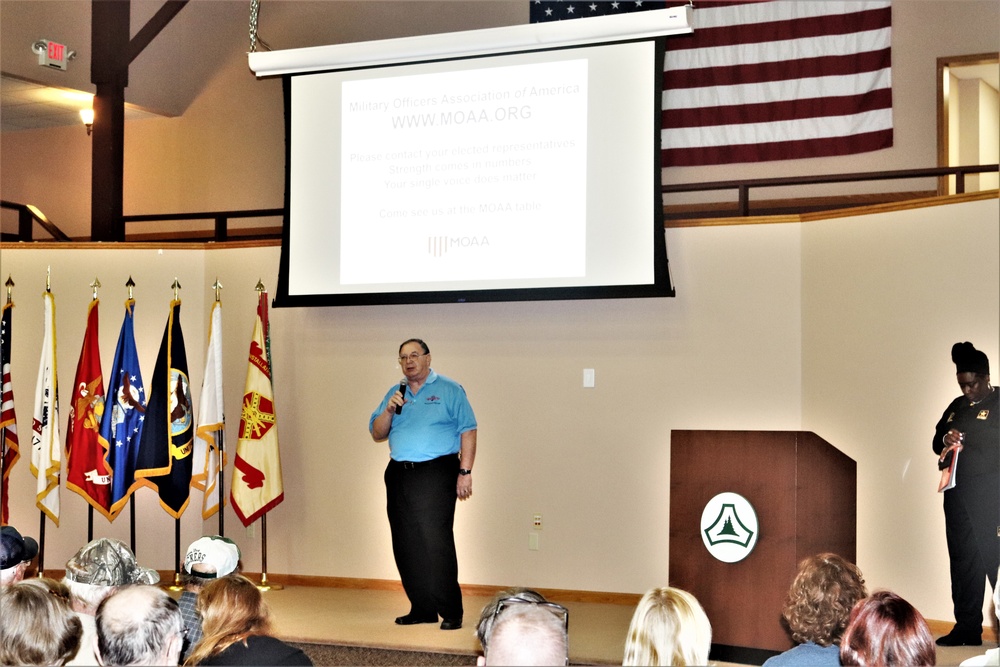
410, 465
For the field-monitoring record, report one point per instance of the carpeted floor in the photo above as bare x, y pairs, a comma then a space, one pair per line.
329, 654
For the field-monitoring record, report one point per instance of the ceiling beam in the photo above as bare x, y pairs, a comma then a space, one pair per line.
153, 26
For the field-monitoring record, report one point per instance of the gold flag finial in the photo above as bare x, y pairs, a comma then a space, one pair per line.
130, 284
10, 286
96, 285
176, 287
48, 278
218, 289
260, 286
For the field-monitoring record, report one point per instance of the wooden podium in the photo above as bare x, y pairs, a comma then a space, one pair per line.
804, 493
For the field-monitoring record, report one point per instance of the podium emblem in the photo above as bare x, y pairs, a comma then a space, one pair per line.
729, 527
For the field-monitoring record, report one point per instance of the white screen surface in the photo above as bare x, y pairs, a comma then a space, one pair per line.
441, 181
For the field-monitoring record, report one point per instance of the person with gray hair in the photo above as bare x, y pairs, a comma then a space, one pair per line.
16, 553
96, 571
520, 627
139, 625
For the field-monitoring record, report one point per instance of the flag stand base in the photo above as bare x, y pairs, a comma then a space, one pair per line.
265, 585
176, 586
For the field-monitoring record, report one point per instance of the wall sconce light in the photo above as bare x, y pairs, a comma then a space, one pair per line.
87, 116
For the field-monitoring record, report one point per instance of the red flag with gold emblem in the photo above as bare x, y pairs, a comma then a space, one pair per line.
256, 488
87, 470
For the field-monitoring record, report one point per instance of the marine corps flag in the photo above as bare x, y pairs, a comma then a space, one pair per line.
46, 447
87, 470
164, 459
256, 487
122, 425
209, 454
8, 420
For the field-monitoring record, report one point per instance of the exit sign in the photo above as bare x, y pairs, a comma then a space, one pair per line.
54, 55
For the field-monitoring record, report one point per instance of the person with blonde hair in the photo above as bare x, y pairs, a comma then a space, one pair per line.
669, 627
887, 631
817, 607
37, 626
236, 622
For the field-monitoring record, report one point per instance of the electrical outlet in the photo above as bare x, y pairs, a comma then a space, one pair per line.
536, 522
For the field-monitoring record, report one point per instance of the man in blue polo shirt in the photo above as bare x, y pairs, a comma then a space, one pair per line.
431, 431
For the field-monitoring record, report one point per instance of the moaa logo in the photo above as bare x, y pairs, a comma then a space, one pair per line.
438, 246
729, 527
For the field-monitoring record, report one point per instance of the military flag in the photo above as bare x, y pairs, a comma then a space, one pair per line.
256, 488
87, 470
164, 458
122, 425
209, 451
8, 420
46, 445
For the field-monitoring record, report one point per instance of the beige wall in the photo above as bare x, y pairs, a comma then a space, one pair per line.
227, 149
882, 305
840, 327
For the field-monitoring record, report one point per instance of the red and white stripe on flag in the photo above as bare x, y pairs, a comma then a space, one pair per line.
761, 81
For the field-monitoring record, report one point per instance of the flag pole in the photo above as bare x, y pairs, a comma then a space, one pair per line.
129, 284
222, 483
4, 507
177, 586
265, 585
41, 545
222, 445
41, 527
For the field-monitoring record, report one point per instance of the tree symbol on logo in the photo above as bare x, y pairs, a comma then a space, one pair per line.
727, 532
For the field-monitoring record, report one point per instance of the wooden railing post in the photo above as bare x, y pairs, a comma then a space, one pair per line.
25, 224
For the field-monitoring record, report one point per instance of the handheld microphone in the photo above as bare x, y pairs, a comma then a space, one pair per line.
402, 390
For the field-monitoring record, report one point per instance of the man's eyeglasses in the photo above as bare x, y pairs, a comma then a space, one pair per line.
556, 609
509, 602
412, 356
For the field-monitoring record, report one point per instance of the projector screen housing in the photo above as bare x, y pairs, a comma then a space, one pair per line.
511, 176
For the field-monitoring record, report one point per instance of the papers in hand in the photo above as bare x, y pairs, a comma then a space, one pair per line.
948, 480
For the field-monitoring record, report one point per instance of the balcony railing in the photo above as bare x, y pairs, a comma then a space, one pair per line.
222, 230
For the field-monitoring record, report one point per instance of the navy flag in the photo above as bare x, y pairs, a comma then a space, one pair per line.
164, 459
124, 414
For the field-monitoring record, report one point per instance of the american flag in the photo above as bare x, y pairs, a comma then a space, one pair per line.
770, 80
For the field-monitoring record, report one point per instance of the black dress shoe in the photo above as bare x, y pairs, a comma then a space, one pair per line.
451, 624
413, 619
958, 638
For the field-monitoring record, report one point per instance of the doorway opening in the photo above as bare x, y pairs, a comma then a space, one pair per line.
968, 117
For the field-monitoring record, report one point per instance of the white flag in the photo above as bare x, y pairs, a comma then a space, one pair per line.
209, 450
46, 448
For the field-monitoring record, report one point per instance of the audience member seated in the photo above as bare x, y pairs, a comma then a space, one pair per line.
16, 553
138, 625
885, 629
520, 627
208, 558
816, 610
92, 574
237, 626
992, 656
669, 627
37, 627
